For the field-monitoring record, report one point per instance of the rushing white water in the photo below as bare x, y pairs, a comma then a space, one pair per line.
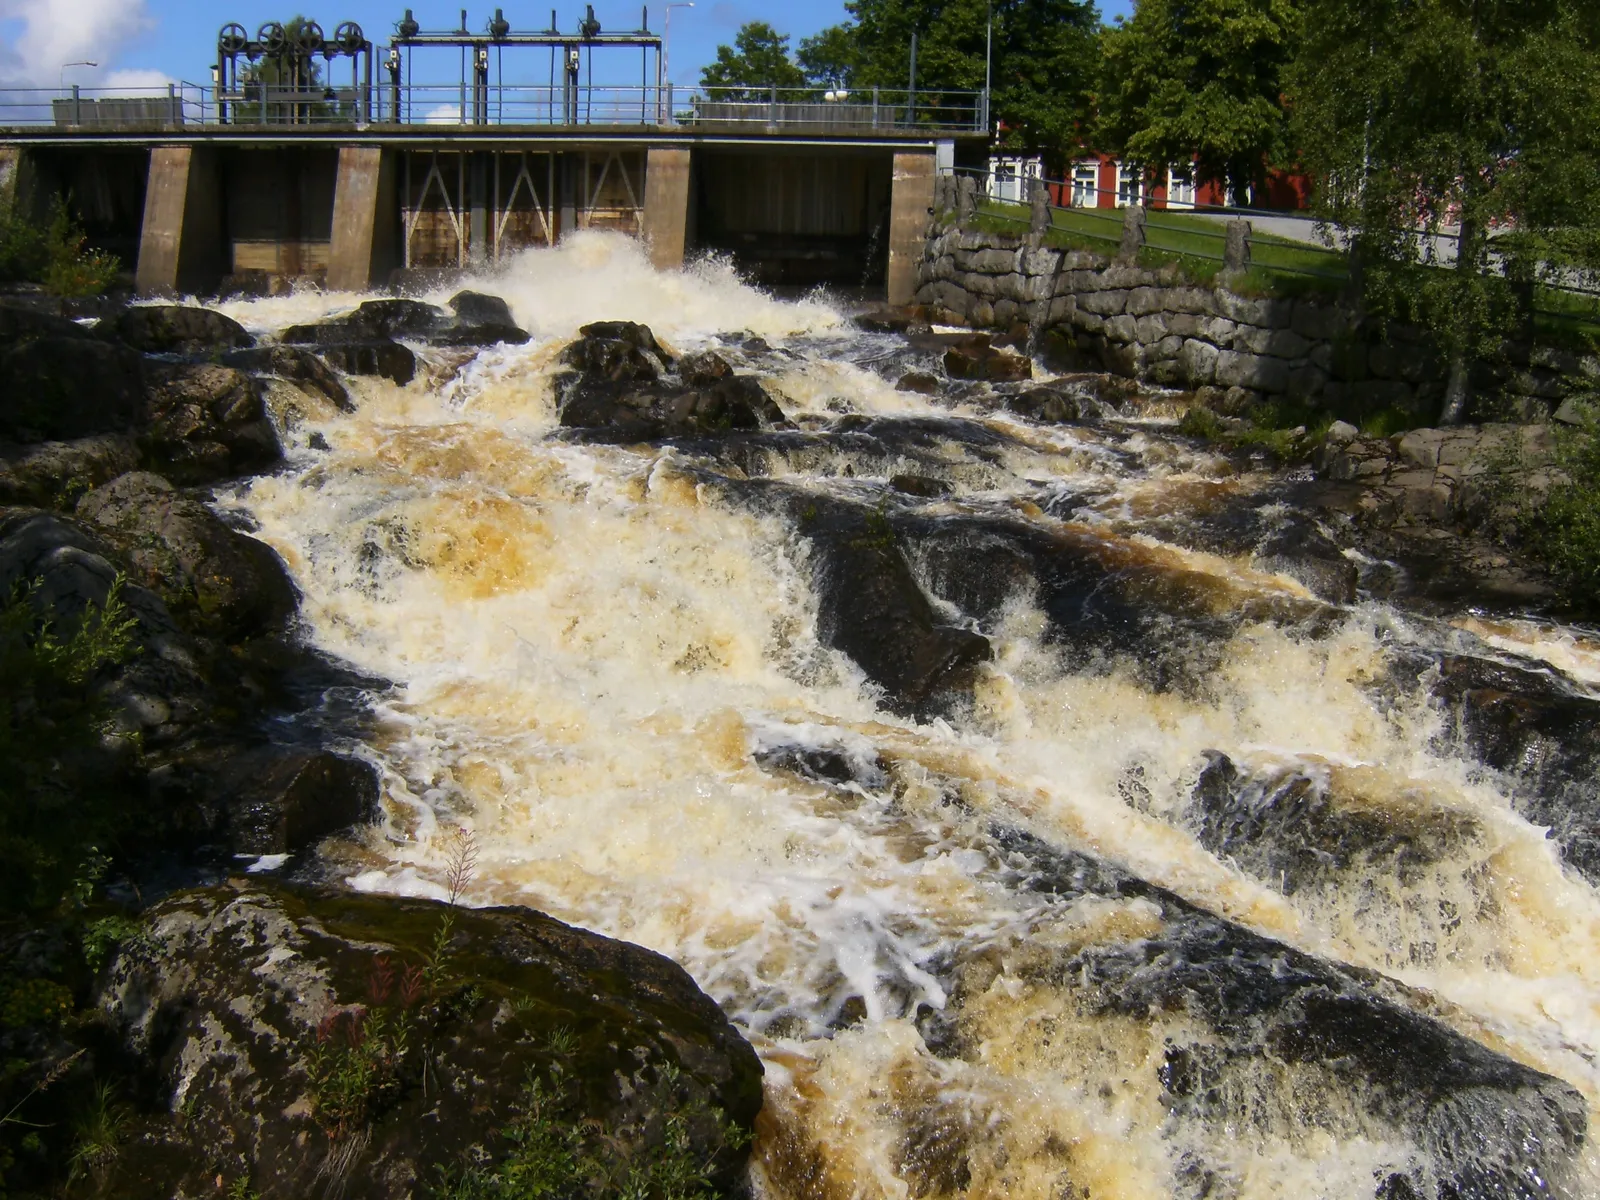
600, 659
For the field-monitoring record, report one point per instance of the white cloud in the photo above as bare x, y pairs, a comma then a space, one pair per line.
40, 35
134, 81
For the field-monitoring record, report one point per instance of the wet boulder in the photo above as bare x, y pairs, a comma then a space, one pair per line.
1260, 1038
1534, 726
177, 329
234, 585
205, 422
303, 369
472, 320
480, 320
874, 611
288, 1037
925, 486
618, 352
923, 383
56, 474
59, 382
1051, 405
1304, 831
265, 799
623, 385
1107, 599
975, 358
65, 569
373, 321
384, 360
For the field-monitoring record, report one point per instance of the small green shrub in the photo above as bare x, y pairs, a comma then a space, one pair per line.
54, 810
356, 1065
56, 255
98, 1136
39, 1002
1564, 531
548, 1155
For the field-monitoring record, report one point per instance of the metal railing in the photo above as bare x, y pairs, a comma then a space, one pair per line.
739, 109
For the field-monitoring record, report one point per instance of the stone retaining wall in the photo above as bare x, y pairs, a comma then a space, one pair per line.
1232, 349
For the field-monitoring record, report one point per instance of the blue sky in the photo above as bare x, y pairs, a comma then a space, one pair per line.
151, 41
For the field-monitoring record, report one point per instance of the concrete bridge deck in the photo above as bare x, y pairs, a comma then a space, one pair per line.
193, 185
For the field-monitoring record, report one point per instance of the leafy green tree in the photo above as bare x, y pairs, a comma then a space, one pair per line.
1199, 79
830, 58
293, 66
757, 61
1415, 115
1044, 59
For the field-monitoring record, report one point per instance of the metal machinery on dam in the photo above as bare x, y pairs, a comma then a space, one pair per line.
335, 158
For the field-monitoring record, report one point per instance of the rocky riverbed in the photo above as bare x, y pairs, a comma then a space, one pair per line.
609, 717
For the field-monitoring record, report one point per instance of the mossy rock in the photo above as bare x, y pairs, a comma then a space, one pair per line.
242, 1009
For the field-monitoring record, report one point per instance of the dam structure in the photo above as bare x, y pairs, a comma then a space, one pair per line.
326, 157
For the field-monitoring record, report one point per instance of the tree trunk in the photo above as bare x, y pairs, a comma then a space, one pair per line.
1458, 391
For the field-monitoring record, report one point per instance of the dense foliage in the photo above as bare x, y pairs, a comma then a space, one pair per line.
1200, 80
1414, 115
1042, 60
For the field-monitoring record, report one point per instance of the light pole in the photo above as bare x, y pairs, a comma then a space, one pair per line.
988, 58
666, 35
62, 79
664, 77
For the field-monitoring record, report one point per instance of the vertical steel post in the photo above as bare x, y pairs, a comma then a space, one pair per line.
911, 93
77, 106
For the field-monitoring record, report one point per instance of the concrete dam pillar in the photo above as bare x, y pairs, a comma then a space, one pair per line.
666, 205
180, 243
362, 250
910, 203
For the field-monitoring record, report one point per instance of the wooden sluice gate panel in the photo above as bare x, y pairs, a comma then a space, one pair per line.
520, 199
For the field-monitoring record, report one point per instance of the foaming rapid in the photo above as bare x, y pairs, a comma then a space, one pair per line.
611, 664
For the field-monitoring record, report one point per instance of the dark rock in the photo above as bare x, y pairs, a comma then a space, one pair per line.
621, 388
1106, 598
234, 585
476, 320
874, 611
632, 332
704, 369
304, 369
892, 320
975, 358
480, 321
66, 570
386, 360
178, 329
206, 423
924, 383
1050, 405
1295, 831
617, 351
238, 1000
1533, 725
280, 800
59, 382
920, 485
1246, 1010
373, 321
56, 474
